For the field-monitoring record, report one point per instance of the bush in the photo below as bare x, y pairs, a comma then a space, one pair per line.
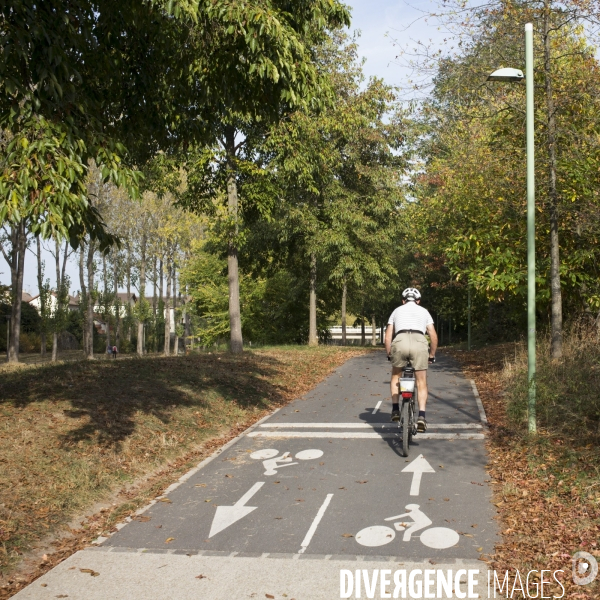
568, 390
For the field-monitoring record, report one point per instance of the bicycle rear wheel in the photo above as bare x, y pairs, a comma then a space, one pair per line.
406, 427
414, 403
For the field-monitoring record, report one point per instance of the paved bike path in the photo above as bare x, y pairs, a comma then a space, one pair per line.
314, 482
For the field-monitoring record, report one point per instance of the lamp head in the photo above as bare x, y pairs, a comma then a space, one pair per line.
508, 74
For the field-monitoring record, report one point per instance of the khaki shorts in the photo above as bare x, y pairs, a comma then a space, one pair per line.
413, 347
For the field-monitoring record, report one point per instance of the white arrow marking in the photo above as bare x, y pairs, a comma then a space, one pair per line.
417, 467
228, 515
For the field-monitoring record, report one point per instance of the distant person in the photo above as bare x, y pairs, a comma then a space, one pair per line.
405, 341
114, 352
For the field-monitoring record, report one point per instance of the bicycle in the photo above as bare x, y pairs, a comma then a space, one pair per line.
438, 538
407, 389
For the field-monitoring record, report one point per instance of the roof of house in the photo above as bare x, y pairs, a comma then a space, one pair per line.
122, 296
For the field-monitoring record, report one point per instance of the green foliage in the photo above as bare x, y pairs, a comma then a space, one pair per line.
274, 308
30, 318
468, 214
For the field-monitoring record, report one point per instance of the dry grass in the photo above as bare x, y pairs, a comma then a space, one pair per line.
73, 432
546, 486
568, 390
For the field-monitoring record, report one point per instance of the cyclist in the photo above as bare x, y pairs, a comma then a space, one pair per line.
405, 341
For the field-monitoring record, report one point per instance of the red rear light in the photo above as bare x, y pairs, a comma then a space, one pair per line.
407, 394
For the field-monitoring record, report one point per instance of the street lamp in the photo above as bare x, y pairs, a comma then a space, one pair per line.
514, 75
511, 75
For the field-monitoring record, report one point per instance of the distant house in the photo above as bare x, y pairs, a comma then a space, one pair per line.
99, 321
35, 301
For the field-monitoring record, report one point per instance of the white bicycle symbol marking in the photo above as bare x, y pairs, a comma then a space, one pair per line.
438, 538
274, 462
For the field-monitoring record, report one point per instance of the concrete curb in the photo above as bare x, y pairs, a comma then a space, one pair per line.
482, 414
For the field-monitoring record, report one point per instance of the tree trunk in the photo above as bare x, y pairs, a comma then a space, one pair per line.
363, 336
142, 299
154, 305
373, 331
160, 284
19, 243
235, 319
63, 275
90, 300
44, 317
128, 293
106, 311
167, 349
57, 308
83, 300
116, 299
187, 325
556, 295
154, 282
176, 340
344, 297
313, 339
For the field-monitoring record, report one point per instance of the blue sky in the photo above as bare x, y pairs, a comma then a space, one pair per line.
403, 20
378, 22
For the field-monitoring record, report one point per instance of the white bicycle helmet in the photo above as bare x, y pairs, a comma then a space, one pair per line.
411, 294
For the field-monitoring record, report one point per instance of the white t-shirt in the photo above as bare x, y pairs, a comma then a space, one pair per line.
410, 316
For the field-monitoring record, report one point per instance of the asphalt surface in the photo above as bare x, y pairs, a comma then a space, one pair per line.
322, 479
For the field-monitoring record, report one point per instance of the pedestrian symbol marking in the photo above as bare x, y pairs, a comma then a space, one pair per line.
228, 515
417, 467
272, 462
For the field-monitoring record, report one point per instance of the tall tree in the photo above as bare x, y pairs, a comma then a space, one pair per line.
264, 60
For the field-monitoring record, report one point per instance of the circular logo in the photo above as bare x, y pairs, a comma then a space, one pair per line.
585, 568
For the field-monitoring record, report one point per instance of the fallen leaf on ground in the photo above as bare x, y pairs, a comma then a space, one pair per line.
164, 500
269, 595
169, 540
347, 535
90, 571
201, 576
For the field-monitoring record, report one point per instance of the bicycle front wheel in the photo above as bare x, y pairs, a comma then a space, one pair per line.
406, 427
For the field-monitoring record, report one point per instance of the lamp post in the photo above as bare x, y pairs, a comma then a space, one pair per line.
514, 75
469, 318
